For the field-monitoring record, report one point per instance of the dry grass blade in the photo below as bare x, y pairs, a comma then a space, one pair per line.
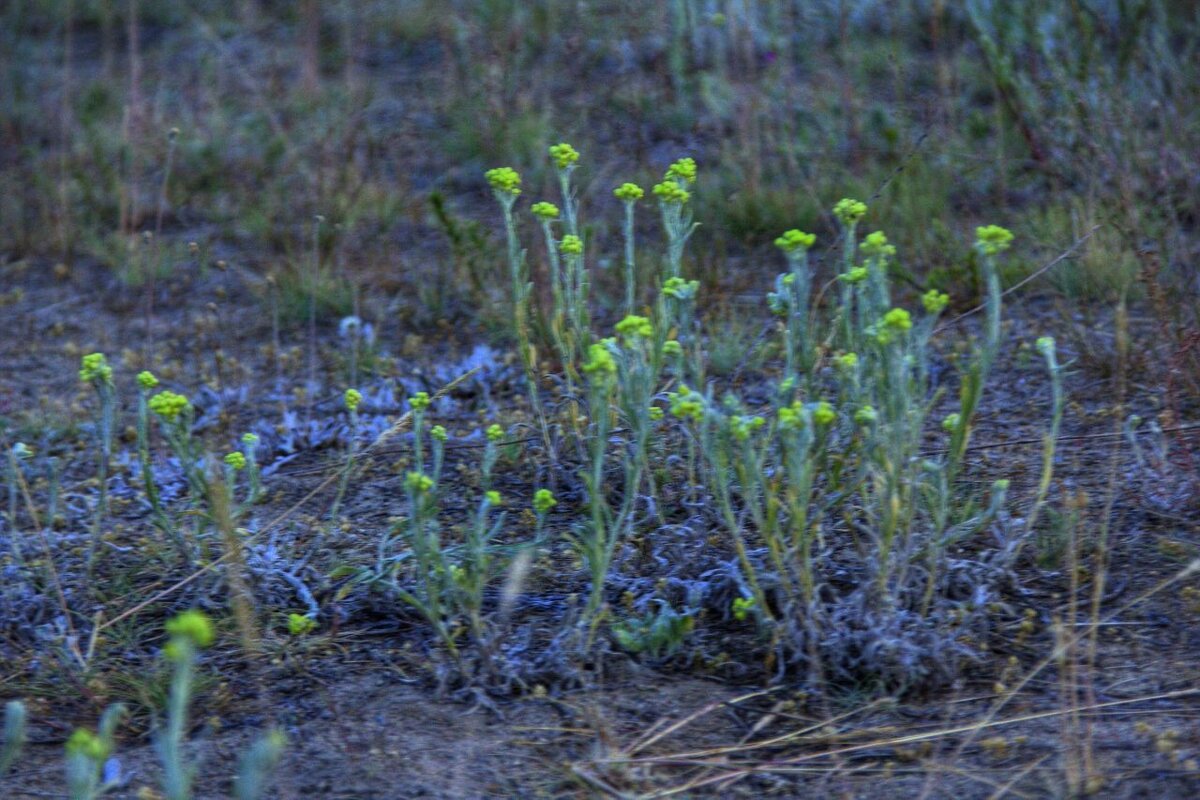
732, 772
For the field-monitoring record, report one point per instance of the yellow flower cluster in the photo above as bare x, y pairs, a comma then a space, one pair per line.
353, 398
849, 211
94, 368
504, 179
634, 327
742, 427
192, 626
854, 275
563, 155
898, 319
236, 459
934, 301
629, 192
419, 401
993, 239
299, 624
544, 210
686, 404
169, 405
683, 170
418, 482
571, 245
146, 380
795, 240
680, 289
876, 244
865, 415
543, 501
600, 362
671, 192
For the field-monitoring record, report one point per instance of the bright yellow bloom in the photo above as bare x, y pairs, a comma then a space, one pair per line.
794, 240
505, 180
629, 192
849, 211
563, 155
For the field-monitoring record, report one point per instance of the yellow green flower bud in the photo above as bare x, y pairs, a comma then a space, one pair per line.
493, 497
494, 433
563, 155
438, 432
898, 319
795, 240
865, 415
824, 414
683, 169
94, 368
876, 244
146, 380
168, 405
299, 624
236, 459
600, 362
419, 401
656, 413
544, 210
352, 398
629, 192
418, 482
854, 275
742, 607
634, 327
849, 211
671, 192
504, 180
543, 501
950, 423
193, 626
934, 301
680, 289
88, 744
993, 239
672, 348
847, 361
571, 245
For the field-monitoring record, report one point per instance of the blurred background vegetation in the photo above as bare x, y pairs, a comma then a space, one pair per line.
1051, 118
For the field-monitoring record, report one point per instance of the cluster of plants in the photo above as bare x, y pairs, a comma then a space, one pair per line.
857, 554
92, 769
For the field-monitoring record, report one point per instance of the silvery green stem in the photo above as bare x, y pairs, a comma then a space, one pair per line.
14, 734
630, 272
254, 774
1046, 346
850, 336
177, 775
